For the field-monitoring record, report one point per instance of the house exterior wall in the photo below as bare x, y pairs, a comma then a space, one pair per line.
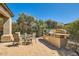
7, 27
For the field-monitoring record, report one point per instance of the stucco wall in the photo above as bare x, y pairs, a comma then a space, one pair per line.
7, 27
63, 42
55, 40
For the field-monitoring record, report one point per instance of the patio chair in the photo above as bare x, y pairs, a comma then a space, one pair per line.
27, 39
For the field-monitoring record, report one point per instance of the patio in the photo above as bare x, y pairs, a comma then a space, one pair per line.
37, 48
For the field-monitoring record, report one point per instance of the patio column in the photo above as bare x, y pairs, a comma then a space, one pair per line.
7, 31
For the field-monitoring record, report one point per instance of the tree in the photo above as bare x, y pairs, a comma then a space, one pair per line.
51, 24
59, 25
73, 29
21, 23
30, 23
41, 27
30, 19
26, 23
14, 27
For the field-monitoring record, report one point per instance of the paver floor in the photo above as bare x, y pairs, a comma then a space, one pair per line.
35, 49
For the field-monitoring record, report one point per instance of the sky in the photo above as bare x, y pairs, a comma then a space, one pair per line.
60, 12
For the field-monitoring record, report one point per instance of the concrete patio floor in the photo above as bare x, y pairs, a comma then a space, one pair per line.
37, 48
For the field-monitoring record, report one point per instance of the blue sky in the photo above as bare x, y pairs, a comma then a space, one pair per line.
64, 13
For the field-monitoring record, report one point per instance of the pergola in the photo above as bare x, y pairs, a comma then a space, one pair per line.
6, 15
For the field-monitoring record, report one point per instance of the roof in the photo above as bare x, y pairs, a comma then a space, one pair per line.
7, 9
